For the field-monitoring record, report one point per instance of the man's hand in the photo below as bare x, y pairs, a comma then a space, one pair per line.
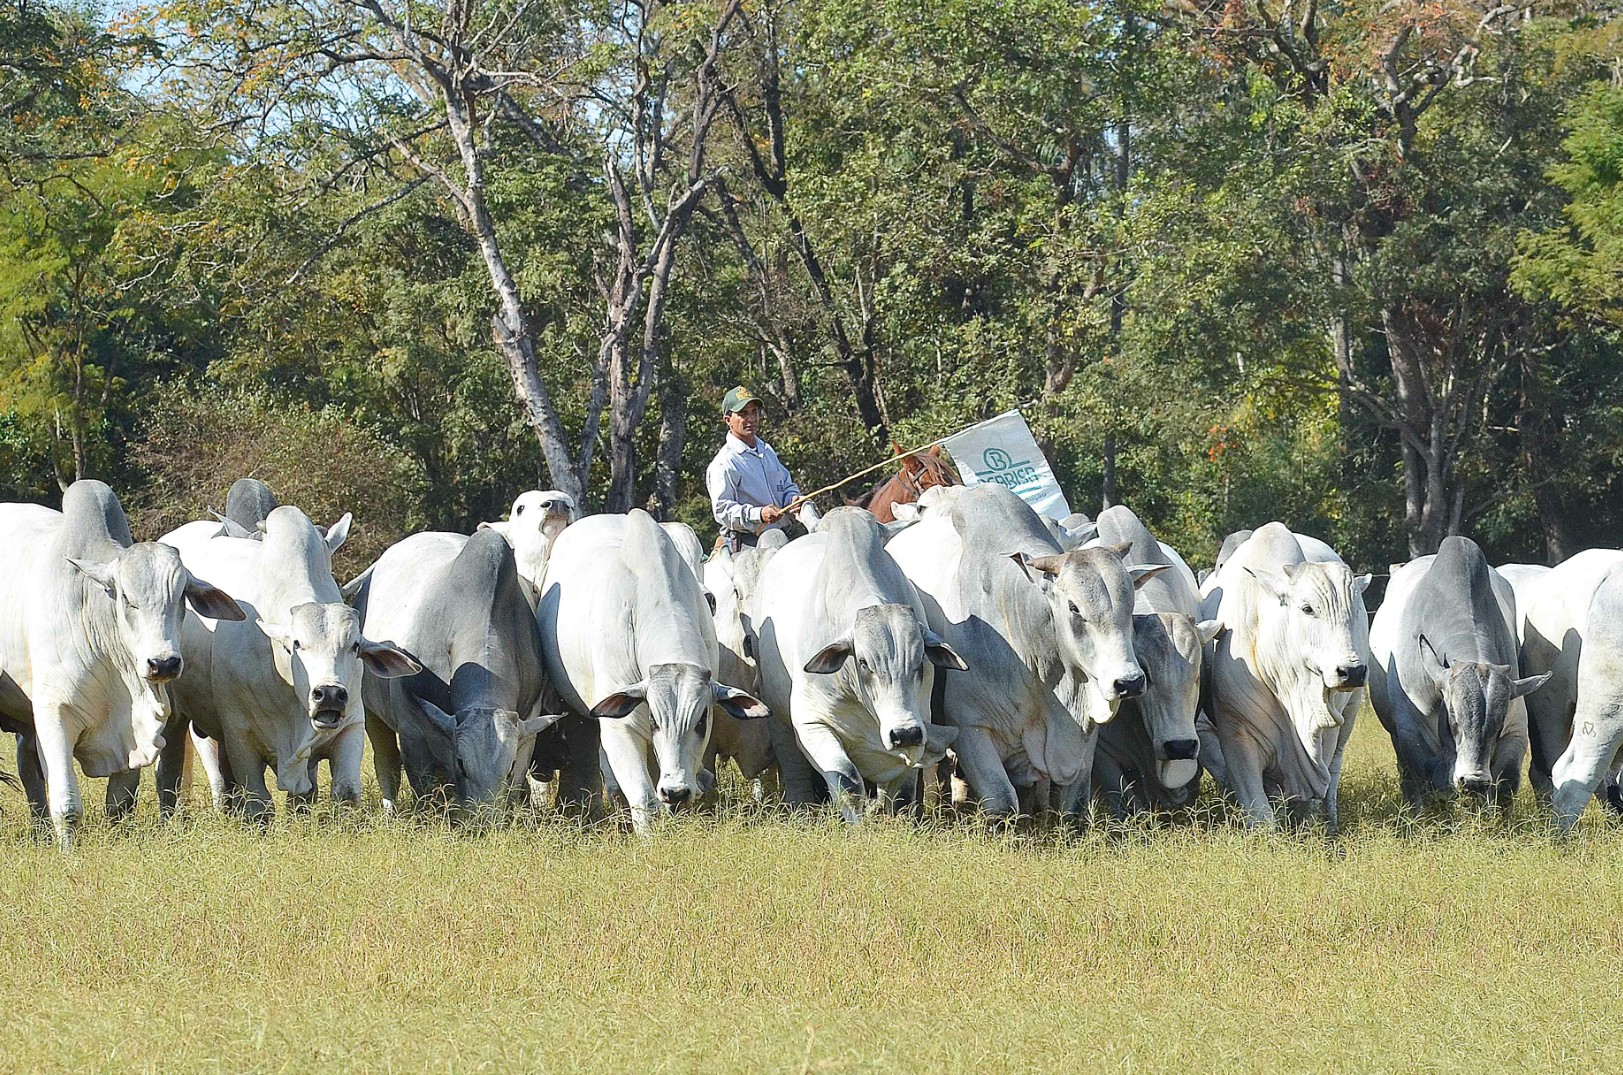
770, 515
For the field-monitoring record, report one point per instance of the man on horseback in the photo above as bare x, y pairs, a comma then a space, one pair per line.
750, 491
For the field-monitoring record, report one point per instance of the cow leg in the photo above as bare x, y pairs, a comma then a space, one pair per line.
171, 770
1507, 768
1332, 797
32, 773
580, 783
252, 796
627, 755
827, 753
980, 766
385, 761
1549, 725
1597, 732
121, 792
344, 764
796, 776
1243, 759
61, 779
210, 753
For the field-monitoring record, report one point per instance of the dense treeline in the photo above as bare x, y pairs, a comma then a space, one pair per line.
1355, 265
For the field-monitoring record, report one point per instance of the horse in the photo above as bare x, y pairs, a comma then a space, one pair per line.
926, 470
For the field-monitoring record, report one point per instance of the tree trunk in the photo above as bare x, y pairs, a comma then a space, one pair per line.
1107, 498
673, 430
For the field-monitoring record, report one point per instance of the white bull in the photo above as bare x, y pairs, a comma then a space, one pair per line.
282, 689
629, 638
1287, 674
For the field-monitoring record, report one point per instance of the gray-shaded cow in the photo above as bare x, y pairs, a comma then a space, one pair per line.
249, 503
1286, 675
1048, 633
283, 688
467, 721
847, 665
90, 646
1444, 676
629, 638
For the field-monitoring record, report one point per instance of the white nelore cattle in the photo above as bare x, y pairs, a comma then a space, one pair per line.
847, 665
90, 646
282, 688
1525, 581
1287, 675
532, 525
1556, 625
1047, 632
1148, 757
733, 581
629, 638
1597, 725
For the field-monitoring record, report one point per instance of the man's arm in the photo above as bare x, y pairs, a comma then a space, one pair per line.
730, 514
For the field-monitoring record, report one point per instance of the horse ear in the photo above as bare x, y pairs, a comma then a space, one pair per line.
935, 451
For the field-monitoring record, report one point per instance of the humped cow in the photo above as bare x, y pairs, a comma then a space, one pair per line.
1597, 726
1286, 676
282, 688
467, 721
847, 665
1048, 633
628, 638
90, 647
532, 525
1444, 675
733, 580
1556, 624
1148, 757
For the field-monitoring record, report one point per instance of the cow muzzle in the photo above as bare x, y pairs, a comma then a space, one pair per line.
905, 735
164, 668
675, 796
328, 704
1349, 675
1476, 784
1128, 686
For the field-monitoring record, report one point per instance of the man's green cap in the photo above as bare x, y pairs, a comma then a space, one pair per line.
737, 399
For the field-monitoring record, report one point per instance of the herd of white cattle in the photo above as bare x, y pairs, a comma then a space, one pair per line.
1041, 666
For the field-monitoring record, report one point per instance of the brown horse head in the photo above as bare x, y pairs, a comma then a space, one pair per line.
924, 470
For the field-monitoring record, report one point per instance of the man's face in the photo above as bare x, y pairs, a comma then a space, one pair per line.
746, 423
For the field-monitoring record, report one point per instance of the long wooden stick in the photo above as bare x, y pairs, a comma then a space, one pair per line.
795, 504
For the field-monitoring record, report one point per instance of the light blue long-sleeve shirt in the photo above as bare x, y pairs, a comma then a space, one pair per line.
743, 480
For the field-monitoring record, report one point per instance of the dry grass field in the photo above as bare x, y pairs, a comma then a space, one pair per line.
741, 942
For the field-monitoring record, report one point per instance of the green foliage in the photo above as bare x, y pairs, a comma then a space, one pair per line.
199, 440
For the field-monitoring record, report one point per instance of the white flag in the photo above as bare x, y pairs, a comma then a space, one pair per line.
1003, 450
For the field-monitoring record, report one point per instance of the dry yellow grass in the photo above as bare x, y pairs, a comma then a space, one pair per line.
748, 943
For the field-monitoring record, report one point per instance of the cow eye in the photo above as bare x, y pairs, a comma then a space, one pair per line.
1308, 609
518, 511
1074, 610
356, 648
863, 664
700, 726
295, 645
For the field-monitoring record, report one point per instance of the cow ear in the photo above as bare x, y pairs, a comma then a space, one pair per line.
537, 725
212, 602
386, 661
338, 532
275, 632
621, 703
740, 705
353, 587
942, 655
438, 718
1120, 548
1520, 687
1143, 573
1208, 630
1435, 665
232, 528
828, 660
1276, 584
101, 574
1048, 565
1363, 581
500, 528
